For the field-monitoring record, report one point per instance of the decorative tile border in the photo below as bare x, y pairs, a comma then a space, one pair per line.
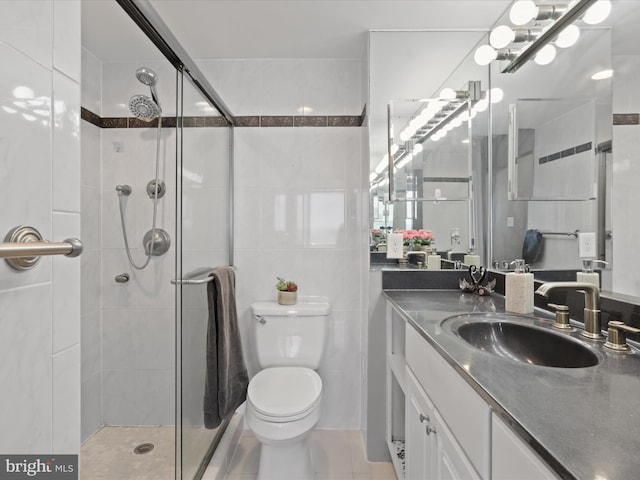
565, 153
244, 121
626, 118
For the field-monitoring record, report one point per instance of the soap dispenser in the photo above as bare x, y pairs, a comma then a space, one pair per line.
587, 274
518, 289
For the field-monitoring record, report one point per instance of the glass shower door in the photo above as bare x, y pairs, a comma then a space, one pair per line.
202, 235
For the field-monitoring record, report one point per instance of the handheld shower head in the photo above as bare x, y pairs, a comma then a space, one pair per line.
144, 108
146, 76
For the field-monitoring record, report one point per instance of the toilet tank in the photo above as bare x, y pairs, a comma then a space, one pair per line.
291, 335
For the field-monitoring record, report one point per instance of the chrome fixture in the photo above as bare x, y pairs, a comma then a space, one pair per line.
147, 109
122, 278
24, 245
151, 188
159, 246
190, 278
592, 304
562, 316
545, 26
142, 106
124, 190
617, 338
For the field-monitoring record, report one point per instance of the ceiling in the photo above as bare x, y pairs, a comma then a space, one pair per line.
210, 29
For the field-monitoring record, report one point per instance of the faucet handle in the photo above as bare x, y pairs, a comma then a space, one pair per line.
617, 338
562, 316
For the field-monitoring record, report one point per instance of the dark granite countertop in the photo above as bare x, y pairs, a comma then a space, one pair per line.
584, 422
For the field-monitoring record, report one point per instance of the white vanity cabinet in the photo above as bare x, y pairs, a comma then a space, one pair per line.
512, 459
445, 429
459, 420
432, 452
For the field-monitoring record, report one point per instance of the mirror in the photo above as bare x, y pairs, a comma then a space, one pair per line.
574, 156
433, 167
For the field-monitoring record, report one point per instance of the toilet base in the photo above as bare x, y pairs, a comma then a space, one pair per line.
286, 461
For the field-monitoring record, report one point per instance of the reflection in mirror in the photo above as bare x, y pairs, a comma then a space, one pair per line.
545, 138
437, 179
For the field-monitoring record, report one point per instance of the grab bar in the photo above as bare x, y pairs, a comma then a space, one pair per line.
189, 278
24, 246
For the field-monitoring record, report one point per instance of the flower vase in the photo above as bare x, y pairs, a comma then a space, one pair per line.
287, 298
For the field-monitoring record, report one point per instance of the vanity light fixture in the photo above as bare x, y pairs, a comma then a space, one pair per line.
541, 27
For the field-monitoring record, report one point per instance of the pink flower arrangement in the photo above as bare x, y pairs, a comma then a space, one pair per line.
419, 237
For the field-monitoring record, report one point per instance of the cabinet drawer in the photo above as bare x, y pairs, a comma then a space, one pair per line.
465, 413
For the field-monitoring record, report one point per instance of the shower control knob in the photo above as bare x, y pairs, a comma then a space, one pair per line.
122, 278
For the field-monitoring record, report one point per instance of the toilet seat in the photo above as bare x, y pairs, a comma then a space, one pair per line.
284, 394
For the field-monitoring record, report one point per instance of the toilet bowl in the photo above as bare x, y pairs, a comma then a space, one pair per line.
283, 399
283, 406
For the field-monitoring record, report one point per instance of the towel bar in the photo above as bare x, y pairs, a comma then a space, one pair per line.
24, 245
189, 279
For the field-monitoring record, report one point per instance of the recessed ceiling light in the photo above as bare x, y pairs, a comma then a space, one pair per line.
602, 75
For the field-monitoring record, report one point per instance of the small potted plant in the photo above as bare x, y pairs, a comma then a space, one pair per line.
287, 292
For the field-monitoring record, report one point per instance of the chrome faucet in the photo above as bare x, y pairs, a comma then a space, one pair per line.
591, 304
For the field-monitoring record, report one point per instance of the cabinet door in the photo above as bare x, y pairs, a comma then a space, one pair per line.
512, 459
419, 447
451, 462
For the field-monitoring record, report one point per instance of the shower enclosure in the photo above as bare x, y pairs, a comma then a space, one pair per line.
143, 330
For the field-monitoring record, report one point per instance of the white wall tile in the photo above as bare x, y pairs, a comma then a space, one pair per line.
91, 406
66, 37
91, 86
25, 370
155, 393
90, 150
25, 148
154, 336
66, 285
91, 345
28, 27
66, 401
120, 400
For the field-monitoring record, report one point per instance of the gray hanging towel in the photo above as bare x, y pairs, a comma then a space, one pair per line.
533, 246
226, 379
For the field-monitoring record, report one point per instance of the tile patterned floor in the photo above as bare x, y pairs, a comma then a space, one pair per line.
337, 455
108, 455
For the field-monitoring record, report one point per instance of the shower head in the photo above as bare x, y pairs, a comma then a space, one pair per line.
144, 108
146, 76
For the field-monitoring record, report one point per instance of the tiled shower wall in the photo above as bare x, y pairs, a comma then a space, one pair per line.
40, 187
128, 328
299, 196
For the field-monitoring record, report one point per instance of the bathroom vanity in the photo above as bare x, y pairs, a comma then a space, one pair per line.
457, 411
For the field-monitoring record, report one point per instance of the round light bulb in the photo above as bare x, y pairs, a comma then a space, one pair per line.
523, 11
546, 55
405, 135
485, 54
447, 94
602, 75
568, 37
597, 12
501, 36
417, 148
496, 94
435, 137
456, 122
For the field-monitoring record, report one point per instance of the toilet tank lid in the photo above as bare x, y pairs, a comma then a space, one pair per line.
307, 306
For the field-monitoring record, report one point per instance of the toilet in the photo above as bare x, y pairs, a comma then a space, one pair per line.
283, 398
